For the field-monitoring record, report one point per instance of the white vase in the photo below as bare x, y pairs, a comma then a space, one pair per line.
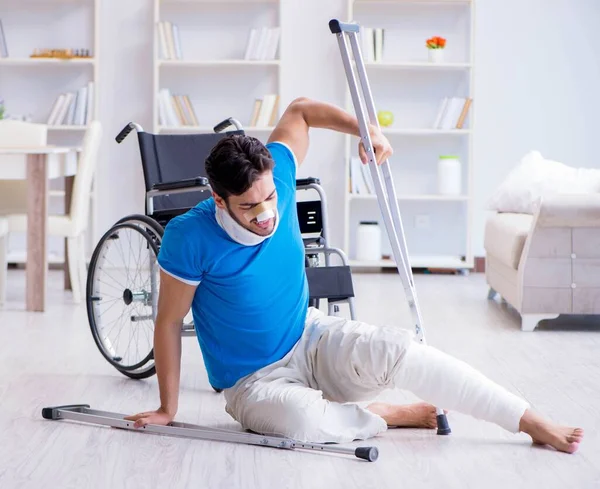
368, 241
449, 175
436, 55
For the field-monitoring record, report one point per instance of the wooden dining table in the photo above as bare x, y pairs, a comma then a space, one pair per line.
40, 165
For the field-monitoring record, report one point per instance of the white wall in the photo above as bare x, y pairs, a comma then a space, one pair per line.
535, 88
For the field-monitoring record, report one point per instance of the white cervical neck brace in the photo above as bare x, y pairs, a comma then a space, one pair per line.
239, 233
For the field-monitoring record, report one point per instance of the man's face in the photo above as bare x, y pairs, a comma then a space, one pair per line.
262, 190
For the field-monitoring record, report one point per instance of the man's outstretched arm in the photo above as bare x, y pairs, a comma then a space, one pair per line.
304, 113
174, 302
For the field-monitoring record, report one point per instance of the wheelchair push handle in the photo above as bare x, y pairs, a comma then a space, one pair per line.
126, 130
221, 126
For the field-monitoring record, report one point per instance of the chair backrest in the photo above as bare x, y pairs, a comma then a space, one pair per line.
86, 168
19, 134
173, 157
13, 193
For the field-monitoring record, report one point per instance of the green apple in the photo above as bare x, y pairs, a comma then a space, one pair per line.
385, 118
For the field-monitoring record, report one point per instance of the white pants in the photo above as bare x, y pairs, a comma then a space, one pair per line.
305, 395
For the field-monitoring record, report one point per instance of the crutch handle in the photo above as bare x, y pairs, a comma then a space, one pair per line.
53, 412
336, 26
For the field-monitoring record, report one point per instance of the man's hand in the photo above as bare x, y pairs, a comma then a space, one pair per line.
160, 417
381, 146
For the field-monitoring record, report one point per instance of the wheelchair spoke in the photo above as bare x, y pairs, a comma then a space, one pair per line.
114, 301
110, 285
116, 321
139, 268
120, 248
113, 266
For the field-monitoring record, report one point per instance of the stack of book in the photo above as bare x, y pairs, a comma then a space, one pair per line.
3, 45
264, 111
169, 42
263, 43
452, 113
361, 182
73, 108
175, 110
372, 43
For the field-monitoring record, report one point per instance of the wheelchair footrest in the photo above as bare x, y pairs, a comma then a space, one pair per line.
333, 283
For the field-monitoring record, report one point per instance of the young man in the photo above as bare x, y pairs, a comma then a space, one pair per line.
238, 261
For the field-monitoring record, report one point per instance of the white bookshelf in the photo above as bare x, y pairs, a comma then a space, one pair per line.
211, 68
406, 83
29, 86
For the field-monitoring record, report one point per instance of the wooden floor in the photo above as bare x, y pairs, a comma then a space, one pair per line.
49, 359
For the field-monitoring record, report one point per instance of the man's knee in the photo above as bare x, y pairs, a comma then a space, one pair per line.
360, 360
296, 420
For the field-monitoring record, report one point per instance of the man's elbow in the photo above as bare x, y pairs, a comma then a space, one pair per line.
299, 105
300, 101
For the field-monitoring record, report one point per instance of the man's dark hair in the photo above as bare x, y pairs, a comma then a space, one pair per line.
235, 163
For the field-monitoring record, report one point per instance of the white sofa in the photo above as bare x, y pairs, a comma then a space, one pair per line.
548, 263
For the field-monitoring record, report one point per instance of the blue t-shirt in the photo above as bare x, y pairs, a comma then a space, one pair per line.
250, 305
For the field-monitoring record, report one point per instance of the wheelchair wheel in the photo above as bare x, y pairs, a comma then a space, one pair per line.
122, 295
149, 224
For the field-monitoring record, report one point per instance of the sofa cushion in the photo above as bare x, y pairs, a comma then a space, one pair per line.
505, 235
535, 177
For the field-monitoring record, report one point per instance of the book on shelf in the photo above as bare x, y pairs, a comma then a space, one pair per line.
169, 41
3, 45
175, 110
361, 181
264, 111
73, 108
262, 44
372, 40
452, 113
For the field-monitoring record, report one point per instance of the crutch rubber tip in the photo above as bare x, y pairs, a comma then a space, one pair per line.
367, 453
442, 424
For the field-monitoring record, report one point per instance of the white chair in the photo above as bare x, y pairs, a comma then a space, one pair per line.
3, 264
13, 193
74, 224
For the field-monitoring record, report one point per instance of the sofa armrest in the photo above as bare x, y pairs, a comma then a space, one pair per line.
569, 210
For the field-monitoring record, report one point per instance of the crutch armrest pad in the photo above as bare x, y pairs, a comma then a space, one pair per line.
336, 26
53, 412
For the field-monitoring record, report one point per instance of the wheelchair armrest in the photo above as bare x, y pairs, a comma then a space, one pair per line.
187, 183
304, 182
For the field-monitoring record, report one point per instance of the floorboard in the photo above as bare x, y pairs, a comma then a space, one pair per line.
50, 358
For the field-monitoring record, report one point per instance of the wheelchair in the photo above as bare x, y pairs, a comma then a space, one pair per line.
123, 277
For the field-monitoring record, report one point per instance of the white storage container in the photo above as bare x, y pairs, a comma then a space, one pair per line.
368, 241
449, 175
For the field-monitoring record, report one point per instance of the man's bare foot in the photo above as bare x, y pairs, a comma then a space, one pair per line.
545, 432
421, 415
